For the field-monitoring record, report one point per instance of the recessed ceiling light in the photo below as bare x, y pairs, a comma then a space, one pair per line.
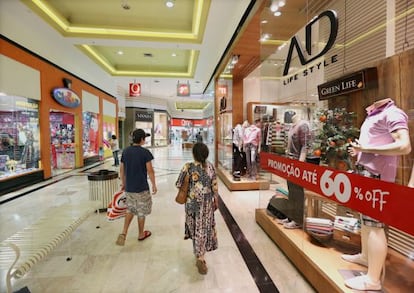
281, 3
277, 13
264, 21
173, 54
120, 52
169, 3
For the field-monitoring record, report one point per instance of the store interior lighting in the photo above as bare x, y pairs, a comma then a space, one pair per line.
170, 3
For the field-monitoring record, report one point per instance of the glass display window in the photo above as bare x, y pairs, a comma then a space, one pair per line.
109, 129
19, 136
160, 129
90, 125
62, 139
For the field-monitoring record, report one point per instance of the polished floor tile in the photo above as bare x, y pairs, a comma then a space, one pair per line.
163, 262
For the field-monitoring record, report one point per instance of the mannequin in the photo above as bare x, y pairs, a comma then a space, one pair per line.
298, 138
251, 145
411, 181
384, 136
238, 153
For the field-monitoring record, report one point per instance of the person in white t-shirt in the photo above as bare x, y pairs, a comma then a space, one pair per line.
115, 149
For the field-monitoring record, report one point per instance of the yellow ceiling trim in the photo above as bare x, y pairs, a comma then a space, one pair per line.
106, 65
58, 21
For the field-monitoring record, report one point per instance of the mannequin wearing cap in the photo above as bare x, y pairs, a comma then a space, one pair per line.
136, 166
384, 136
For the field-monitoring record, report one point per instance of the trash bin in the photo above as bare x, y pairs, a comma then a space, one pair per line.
102, 186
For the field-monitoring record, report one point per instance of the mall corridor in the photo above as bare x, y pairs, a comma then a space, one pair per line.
162, 263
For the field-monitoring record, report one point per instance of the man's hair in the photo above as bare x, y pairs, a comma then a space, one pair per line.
200, 152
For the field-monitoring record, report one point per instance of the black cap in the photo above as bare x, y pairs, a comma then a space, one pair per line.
138, 135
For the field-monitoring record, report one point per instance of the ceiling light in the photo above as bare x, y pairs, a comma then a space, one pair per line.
281, 3
264, 21
120, 53
277, 13
169, 3
274, 6
173, 54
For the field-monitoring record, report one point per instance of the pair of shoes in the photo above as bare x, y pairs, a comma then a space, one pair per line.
363, 283
291, 225
355, 258
120, 240
282, 221
146, 235
201, 266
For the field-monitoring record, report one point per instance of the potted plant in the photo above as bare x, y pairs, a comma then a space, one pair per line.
336, 132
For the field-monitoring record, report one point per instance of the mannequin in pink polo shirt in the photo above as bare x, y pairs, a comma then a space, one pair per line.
384, 136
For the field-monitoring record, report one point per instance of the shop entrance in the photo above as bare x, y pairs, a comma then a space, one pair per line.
62, 139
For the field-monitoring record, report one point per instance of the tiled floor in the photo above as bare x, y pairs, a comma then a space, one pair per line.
162, 263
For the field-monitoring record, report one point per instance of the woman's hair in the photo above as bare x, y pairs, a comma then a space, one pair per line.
200, 152
113, 136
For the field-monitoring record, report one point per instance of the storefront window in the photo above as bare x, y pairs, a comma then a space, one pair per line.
90, 124
160, 129
349, 68
19, 136
62, 137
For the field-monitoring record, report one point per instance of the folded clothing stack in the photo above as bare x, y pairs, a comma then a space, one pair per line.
319, 228
347, 223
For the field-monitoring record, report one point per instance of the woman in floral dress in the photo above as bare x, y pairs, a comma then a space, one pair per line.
202, 201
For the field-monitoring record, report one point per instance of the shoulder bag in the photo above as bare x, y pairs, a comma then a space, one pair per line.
181, 197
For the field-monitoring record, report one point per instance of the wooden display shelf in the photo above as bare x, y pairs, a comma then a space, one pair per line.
243, 184
321, 264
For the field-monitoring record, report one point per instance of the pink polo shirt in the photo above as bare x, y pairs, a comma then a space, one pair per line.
252, 134
376, 131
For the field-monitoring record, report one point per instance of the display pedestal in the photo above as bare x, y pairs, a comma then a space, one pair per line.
322, 265
243, 184
187, 145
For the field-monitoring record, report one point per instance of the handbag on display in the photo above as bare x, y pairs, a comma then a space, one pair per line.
181, 197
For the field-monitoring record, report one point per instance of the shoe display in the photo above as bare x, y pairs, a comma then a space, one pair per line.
363, 283
291, 225
355, 258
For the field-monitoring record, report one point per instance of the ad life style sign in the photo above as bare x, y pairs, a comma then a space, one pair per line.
295, 44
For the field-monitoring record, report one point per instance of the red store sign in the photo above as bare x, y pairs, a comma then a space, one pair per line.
387, 202
134, 89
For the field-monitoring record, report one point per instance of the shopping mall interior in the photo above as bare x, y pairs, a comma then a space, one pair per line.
306, 109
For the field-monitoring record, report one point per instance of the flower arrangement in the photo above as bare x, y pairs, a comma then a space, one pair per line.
336, 132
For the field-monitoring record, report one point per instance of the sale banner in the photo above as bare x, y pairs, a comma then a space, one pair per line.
384, 201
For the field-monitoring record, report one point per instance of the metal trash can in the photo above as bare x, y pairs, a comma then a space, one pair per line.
102, 186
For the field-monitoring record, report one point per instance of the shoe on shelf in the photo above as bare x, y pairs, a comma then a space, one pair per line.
291, 225
282, 221
363, 283
201, 266
355, 258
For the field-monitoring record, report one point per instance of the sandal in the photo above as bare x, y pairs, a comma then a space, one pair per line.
121, 240
146, 235
202, 266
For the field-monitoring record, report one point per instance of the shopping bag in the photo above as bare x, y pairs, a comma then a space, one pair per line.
117, 207
181, 197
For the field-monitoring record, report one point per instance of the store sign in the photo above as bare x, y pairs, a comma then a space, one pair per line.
295, 43
66, 97
385, 201
360, 80
183, 90
134, 89
144, 116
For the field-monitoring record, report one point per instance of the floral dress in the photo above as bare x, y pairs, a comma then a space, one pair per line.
200, 224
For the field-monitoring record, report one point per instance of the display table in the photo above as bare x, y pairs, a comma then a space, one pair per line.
243, 184
321, 265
